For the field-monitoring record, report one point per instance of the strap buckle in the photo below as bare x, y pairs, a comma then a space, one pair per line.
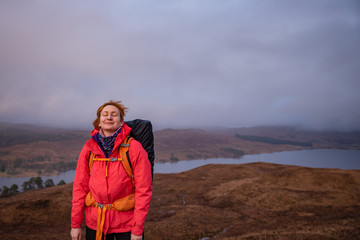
108, 206
100, 205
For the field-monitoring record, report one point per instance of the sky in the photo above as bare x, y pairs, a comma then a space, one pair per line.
181, 64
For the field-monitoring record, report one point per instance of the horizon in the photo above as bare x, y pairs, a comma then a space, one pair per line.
159, 128
182, 64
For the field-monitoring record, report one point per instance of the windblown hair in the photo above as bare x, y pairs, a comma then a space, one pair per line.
117, 104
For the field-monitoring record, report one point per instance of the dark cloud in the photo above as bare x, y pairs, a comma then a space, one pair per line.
182, 63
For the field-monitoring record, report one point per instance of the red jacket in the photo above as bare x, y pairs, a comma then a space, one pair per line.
108, 189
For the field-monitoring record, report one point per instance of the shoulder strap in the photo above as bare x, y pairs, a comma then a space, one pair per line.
91, 160
123, 157
125, 160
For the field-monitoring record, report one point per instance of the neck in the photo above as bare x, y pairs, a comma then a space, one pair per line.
107, 133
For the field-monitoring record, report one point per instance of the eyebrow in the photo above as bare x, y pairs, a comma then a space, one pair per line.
110, 112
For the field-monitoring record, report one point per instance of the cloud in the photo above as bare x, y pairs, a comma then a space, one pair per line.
182, 63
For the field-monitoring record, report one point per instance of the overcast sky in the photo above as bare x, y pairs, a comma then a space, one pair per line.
230, 63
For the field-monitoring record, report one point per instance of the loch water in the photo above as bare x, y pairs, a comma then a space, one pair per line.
315, 158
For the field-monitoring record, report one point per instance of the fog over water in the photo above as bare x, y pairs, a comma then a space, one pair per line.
182, 63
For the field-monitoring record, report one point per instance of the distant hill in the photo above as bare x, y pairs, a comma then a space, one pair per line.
27, 150
243, 202
174, 144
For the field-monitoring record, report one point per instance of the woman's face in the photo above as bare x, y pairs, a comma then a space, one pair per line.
109, 120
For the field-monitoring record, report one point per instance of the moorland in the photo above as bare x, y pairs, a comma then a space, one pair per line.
246, 201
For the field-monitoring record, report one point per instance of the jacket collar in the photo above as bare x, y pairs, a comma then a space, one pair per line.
125, 131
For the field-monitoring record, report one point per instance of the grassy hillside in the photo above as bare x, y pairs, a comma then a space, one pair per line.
249, 201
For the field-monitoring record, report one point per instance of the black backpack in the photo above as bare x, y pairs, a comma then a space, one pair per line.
141, 130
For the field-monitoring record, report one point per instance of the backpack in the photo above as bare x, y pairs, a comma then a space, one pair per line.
141, 130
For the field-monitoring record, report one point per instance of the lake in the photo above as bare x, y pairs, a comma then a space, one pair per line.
316, 158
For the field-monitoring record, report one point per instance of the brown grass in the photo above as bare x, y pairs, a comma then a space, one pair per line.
248, 201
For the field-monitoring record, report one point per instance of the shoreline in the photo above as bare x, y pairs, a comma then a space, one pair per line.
23, 173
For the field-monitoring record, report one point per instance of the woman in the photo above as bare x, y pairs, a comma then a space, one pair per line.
107, 181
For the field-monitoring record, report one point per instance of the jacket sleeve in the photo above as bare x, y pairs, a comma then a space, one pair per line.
143, 185
80, 188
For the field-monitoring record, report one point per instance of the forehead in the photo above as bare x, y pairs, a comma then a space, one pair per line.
110, 108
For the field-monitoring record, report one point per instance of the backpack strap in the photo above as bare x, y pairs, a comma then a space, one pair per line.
91, 160
123, 157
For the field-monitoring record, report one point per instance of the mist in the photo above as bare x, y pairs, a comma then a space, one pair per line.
182, 63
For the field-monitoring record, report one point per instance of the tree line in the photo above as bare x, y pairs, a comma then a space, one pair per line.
31, 184
39, 163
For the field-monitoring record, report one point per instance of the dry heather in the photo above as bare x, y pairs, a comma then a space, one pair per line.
249, 201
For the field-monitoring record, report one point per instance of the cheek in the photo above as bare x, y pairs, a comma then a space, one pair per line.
118, 122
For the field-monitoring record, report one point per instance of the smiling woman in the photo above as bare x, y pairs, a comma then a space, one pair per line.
109, 182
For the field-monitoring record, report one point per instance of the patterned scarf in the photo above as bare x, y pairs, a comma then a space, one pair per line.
107, 143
